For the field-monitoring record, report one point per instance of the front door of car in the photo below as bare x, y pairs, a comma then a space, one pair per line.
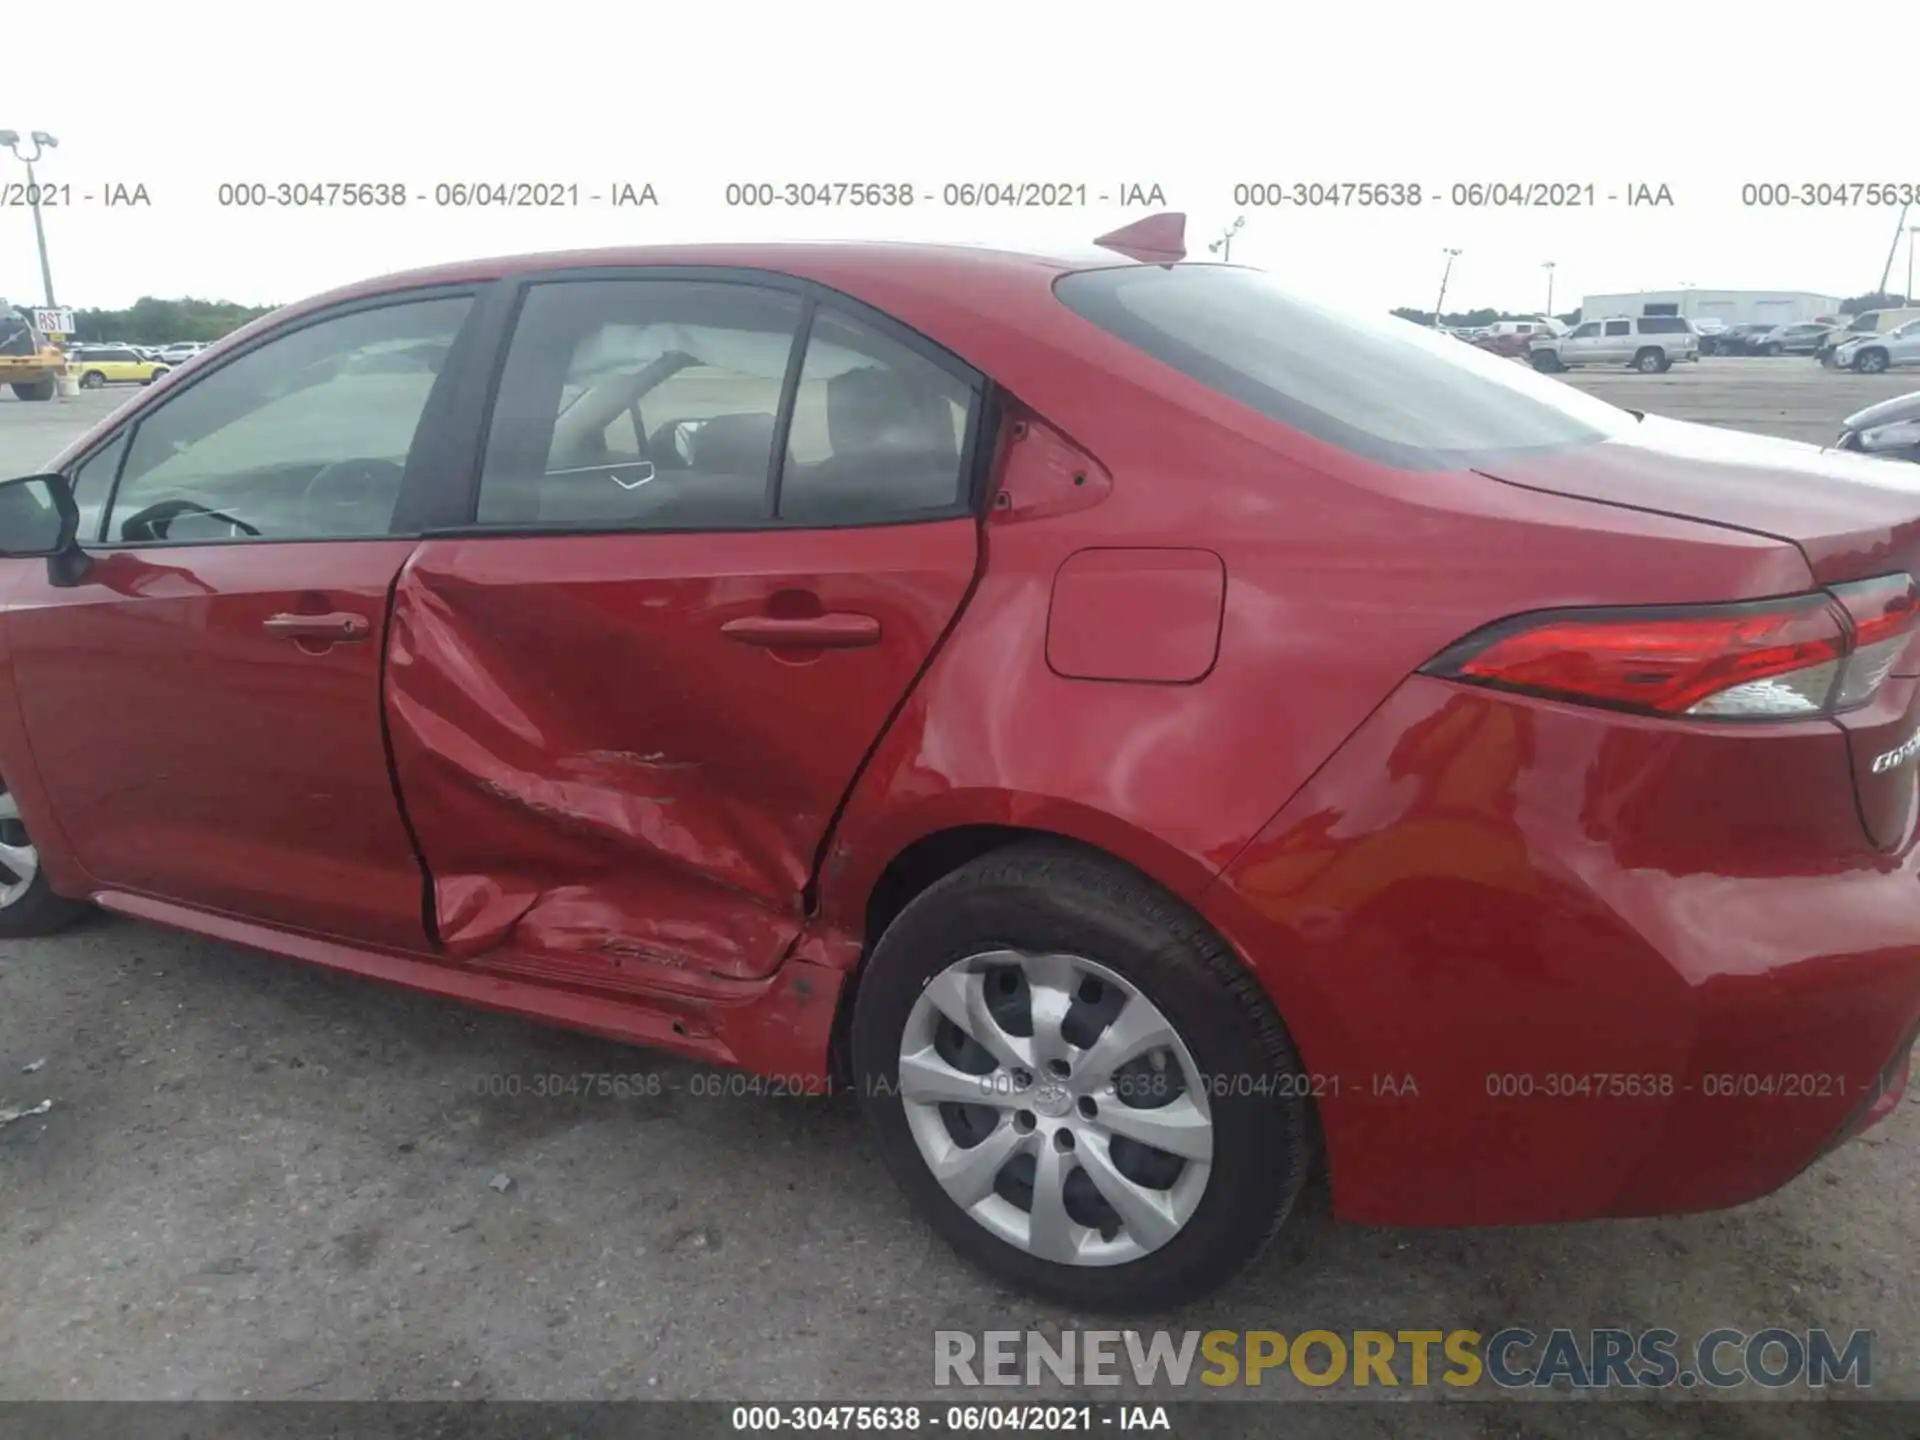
1580, 346
1903, 345
627, 703
204, 704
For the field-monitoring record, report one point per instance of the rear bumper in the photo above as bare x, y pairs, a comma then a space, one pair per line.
1546, 963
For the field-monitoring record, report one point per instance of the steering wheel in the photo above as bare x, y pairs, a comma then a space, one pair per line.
156, 521
360, 483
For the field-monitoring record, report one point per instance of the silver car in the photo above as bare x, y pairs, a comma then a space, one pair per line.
1801, 338
1871, 354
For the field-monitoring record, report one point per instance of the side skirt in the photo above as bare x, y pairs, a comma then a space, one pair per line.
780, 1026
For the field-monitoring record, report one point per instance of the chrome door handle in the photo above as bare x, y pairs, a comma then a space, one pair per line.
844, 631
340, 625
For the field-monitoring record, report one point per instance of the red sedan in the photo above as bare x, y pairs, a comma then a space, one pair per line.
1147, 733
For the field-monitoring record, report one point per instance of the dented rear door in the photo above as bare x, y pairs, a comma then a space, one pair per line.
600, 770
627, 701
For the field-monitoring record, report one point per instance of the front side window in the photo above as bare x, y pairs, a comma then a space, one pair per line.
92, 484
646, 404
1587, 331
305, 437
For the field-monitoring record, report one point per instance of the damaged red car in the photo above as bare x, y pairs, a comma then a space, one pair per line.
1153, 737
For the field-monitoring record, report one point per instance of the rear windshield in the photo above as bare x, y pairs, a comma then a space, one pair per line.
1380, 387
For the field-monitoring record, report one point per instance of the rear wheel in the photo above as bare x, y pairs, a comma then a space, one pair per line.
27, 906
1651, 361
34, 389
1077, 1083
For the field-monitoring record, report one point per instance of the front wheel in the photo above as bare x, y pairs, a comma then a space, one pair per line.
1870, 362
1547, 363
1077, 1083
92, 380
28, 905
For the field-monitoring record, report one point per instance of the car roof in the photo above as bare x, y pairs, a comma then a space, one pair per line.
930, 264
991, 307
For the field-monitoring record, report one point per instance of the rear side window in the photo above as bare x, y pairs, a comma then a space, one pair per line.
1618, 327
1663, 325
1376, 386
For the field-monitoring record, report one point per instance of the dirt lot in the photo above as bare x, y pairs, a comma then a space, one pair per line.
257, 1179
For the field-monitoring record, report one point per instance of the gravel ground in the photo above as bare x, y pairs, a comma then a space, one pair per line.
261, 1180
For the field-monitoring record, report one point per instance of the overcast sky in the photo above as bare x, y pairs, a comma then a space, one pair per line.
1699, 97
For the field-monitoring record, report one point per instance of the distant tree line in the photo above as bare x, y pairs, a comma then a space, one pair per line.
1879, 300
1475, 319
153, 321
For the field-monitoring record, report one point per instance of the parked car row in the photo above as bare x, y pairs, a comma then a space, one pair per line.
1871, 342
1822, 337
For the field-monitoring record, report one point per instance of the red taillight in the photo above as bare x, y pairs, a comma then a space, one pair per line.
1767, 659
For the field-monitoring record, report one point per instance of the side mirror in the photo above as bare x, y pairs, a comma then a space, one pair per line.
38, 517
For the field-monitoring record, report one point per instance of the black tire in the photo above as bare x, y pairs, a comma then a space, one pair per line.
1547, 363
1651, 361
92, 380
1049, 896
39, 911
1775, 350
153, 377
35, 389
1870, 362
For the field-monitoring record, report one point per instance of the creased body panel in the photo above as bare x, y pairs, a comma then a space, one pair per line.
600, 772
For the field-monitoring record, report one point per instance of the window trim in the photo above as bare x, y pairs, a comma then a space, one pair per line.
428, 435
814, 296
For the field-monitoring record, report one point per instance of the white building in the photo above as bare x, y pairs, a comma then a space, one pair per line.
1734, 307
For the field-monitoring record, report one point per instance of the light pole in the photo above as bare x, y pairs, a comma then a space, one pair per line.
1441, 303
1223, 247
1912, 230
1892, 250
42, 142
1547, 265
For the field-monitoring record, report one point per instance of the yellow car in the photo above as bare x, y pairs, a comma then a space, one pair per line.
98, 365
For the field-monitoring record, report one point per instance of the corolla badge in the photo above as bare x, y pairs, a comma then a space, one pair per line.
1899, 755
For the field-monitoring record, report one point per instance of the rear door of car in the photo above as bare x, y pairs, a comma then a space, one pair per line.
629, 695
203, 706
1617, 342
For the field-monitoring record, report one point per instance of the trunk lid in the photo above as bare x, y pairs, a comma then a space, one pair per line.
1851, 515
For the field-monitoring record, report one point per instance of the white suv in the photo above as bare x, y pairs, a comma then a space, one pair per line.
1874, 353
1648, 343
